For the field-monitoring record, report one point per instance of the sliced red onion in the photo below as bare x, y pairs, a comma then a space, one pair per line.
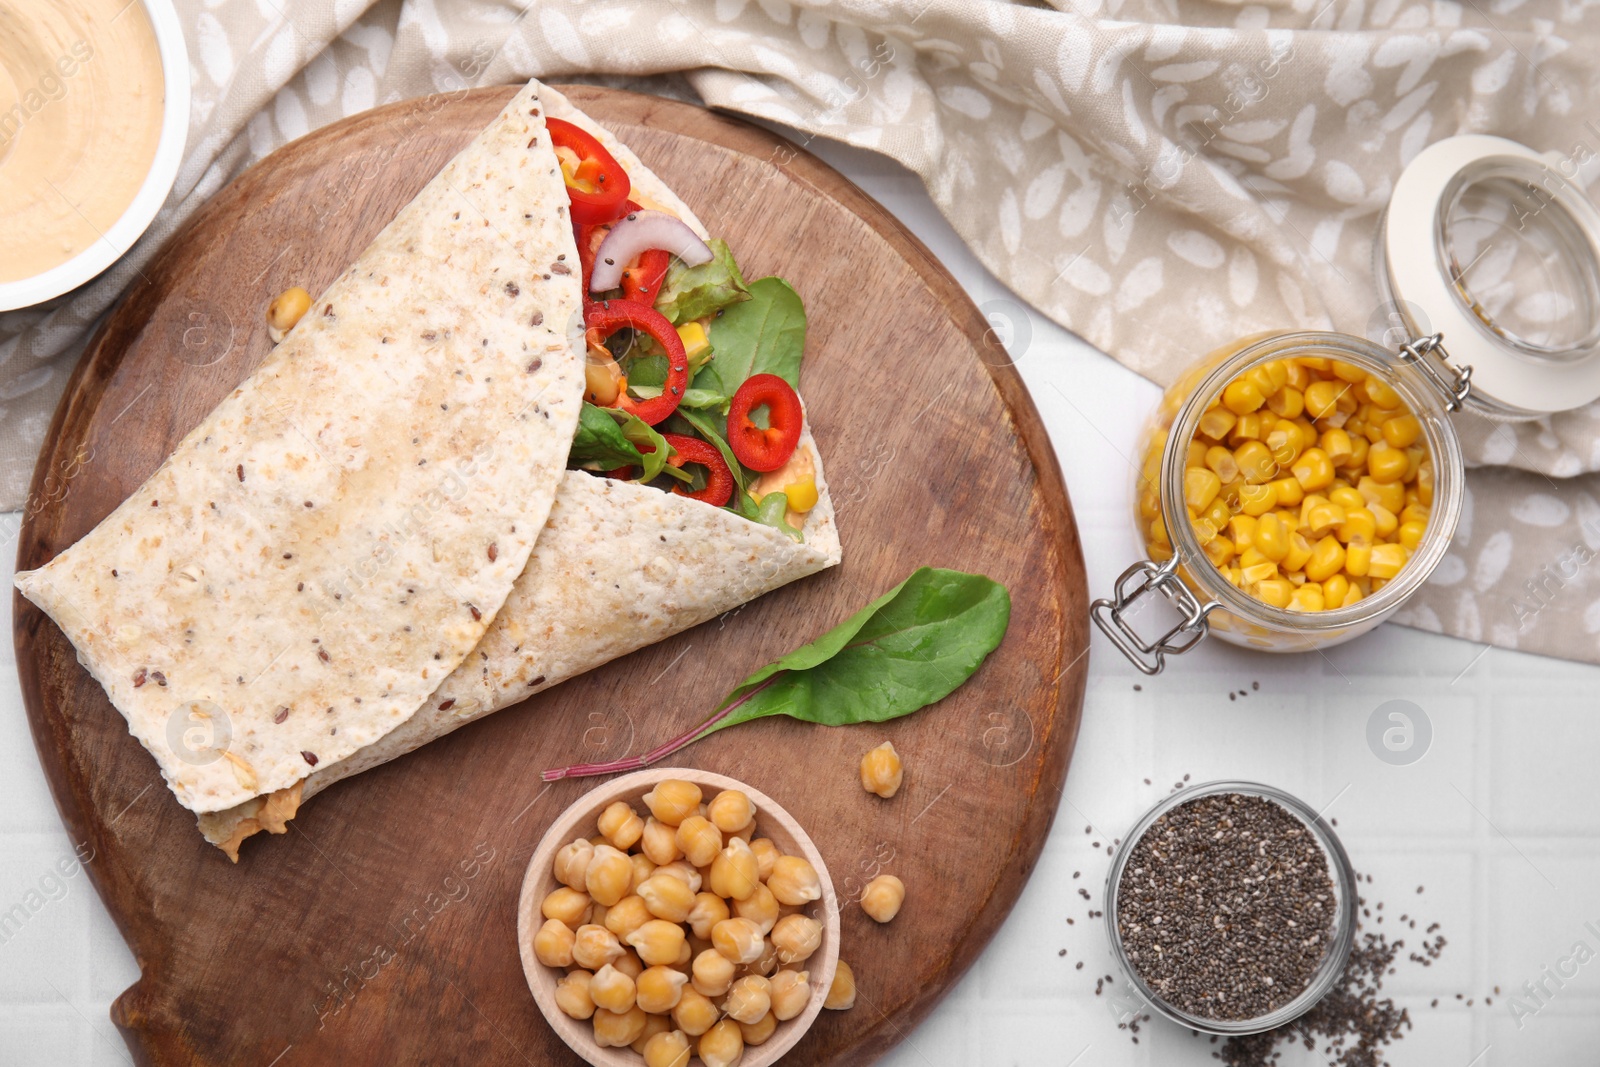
639, 232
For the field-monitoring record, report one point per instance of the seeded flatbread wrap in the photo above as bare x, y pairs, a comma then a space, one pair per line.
618, 566
629, 566
332, 541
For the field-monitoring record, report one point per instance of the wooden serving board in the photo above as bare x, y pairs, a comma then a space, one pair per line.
381, 928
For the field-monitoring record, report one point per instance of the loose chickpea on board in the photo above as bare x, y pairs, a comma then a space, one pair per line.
882, 771
882, 897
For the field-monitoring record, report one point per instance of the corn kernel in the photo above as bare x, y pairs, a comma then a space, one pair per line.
1262, 378
1216, 422
1274, 591
669, 1048
1248, 428
1242, 396
1285, 442
673, 800
1387, 561
1323, 518
1289, 491
1334, 590
1313, 470
1271, 537
1387, 463
1219, 550
1200, 487
552, 944
1402, 431
722, 1045
1242, 529
1345, 496
1287, 402
658, 989
1410, 534
572, 995
1255, 462
1359, 525
658, 942
615, 1030
842, 993
1358, 559
1327, 556
1196, 455
1307, 598
1221, 463
1257, 500
1322, 398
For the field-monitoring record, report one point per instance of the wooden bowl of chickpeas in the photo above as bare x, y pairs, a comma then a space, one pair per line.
674, 915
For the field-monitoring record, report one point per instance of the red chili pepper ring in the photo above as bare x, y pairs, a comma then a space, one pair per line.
770, 448
719, 479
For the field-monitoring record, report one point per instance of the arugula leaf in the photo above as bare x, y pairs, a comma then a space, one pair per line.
911, 647
773, 511
764, 335
639, 433
600, 440
694, 292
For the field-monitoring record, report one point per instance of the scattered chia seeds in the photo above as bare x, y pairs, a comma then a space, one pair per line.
1225, 907
1352, 1022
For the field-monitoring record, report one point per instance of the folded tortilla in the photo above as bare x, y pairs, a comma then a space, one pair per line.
618, 566
333, 540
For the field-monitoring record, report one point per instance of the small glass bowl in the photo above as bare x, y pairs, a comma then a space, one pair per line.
1344, 912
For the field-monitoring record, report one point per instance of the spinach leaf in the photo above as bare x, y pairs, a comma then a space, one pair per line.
600, 440
693, 292
764, 335
608, 438
911, 647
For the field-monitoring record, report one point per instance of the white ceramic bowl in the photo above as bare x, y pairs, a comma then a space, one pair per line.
152, 193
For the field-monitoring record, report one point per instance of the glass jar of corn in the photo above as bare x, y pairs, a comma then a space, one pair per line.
1295, 488
1292, 490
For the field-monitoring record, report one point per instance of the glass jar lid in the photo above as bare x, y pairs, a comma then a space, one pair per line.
1490, 244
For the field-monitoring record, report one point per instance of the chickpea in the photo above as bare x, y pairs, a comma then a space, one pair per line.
882, 771
670, 1048
842, 993
794, 881
572, 861
712, 973
621, 825
882, 897
759, 1031
722, 1045
566, 905
286, 309
673, 800
796, 937
552, 945
749, 999
791, 992
572, 994
730, 810
617, 1029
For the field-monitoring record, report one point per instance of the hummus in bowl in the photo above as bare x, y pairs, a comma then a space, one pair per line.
94, 112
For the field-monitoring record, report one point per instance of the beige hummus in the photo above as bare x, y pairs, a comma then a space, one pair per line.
81, 96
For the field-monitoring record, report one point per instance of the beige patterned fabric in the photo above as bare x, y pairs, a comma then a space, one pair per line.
1159, 176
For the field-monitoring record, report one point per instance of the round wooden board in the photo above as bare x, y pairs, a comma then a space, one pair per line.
381, 928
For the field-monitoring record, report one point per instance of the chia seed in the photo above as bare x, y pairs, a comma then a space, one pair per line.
1226, 907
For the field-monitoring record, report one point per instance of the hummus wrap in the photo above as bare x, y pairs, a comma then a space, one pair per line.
618, 566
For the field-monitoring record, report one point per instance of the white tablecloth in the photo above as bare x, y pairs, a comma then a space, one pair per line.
1498, 820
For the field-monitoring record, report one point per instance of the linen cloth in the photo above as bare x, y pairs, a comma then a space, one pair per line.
1159, 176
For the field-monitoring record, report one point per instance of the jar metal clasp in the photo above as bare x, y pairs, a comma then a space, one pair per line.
1455, 383
1142, 578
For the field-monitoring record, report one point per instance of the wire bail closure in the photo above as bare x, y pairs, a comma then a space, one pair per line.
1454, 382
1135, 582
